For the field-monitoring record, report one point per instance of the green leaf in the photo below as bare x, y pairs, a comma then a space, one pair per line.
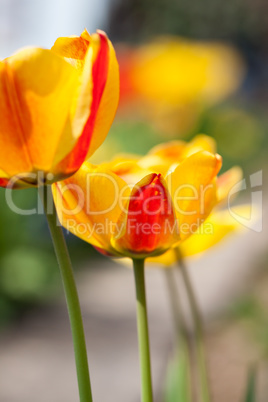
177, 384
251, 386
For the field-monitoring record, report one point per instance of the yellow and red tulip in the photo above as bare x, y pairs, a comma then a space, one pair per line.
140, 207
218, 225
56, 107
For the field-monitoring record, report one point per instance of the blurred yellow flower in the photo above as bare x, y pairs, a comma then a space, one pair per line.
175, 78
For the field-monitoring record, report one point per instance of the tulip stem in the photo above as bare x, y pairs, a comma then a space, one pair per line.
183, 339
143, 333
71, 295
175, 304
199, 332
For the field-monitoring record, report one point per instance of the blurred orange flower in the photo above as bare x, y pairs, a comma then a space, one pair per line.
171, 79
140, 207
56, 107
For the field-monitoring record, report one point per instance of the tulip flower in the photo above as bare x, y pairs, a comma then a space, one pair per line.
56, 108
194, 75
147, 208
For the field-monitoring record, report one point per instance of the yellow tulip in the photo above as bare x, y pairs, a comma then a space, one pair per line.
170, 79
56, 107
141, 207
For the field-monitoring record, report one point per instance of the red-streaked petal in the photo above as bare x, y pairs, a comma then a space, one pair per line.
103, 106
150, 223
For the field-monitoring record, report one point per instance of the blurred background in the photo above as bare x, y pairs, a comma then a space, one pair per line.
187, 67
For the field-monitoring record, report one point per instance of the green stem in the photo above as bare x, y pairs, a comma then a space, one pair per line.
143, 335
71, 295
199, 332
175, 304
183, 338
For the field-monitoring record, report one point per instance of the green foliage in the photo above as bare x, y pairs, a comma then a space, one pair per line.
135, 137
251, 387
240, 133
28, 274
253, 314
177, 385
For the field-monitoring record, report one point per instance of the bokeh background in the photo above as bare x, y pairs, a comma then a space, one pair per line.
187, 67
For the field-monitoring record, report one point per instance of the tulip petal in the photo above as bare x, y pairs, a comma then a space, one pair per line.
4, 179
171, 150
227, 181
122, 163
73, 49
165, 156
88, 206
108, 102
193, 190
150, 222
105, 91
24, 180
126, 166
216, 227
161, 158
200, 142
167, 259
37, 90
90, 58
